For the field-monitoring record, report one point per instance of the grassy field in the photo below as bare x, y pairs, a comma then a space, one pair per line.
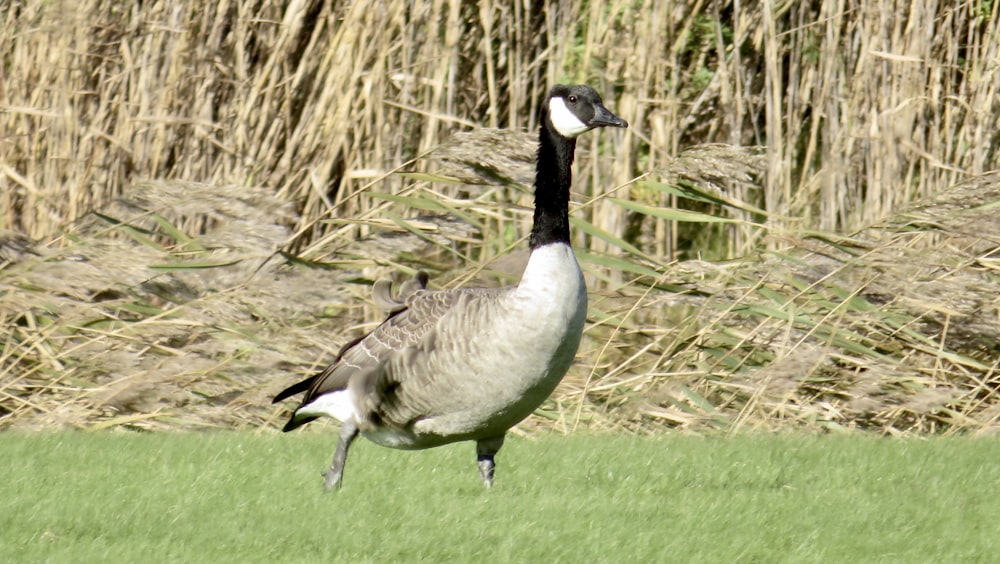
231, 496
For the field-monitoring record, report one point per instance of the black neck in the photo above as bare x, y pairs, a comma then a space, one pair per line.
553, 178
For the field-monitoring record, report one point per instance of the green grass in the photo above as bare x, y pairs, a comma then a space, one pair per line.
87, 497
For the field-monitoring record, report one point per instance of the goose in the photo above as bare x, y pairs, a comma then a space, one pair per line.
468, 364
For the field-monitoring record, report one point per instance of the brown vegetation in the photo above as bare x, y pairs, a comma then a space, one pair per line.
195, 201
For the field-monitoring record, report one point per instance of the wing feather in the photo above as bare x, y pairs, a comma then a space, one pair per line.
371, 364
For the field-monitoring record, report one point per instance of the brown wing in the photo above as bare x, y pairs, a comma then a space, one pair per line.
384, 300
423, 378
363, 360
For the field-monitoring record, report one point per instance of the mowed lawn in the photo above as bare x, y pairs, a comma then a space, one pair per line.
257, 497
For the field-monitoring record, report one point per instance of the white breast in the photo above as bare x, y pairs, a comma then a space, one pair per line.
553, 299
553, 279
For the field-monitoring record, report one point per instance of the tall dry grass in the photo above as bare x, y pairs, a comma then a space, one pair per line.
862, 106
206, 138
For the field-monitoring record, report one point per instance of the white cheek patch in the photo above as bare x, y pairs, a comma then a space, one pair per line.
565, 121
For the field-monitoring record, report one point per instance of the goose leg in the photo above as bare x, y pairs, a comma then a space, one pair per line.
486, 449
335, 475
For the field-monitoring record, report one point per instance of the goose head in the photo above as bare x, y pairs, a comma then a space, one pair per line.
574, 110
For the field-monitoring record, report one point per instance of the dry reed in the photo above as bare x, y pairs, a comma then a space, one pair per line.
200, 141
863, 107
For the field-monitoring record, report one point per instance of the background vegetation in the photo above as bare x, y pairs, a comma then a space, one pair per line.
196, 198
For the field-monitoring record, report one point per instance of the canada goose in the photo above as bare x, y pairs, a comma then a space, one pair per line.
469, 364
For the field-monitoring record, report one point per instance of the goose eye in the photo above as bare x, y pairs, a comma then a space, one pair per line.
572, 99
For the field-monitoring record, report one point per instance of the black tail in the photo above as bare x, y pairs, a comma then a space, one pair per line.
294, 423
294, 389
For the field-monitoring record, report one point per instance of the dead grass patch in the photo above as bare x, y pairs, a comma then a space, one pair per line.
133, 321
